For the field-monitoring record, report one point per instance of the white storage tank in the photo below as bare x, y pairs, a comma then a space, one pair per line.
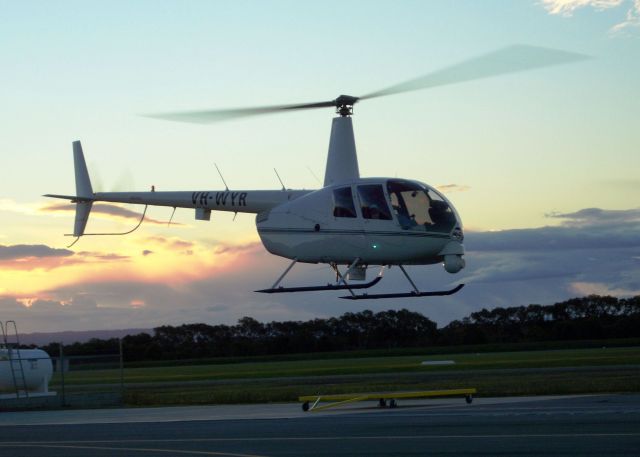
36, 365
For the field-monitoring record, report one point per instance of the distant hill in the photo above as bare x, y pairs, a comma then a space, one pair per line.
40, 339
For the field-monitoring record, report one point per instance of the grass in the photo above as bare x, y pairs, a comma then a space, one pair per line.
487, 385
361, 366
566, 371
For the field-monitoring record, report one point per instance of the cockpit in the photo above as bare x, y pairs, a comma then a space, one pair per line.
413, 205
420, 208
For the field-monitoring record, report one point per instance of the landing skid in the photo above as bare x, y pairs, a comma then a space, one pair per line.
437, 293
375, 281
340, 285
343, 285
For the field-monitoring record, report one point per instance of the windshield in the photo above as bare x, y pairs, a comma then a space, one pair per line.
418, 208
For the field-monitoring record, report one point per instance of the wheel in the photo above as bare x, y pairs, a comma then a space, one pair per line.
382, 403
468, 399
305, 406
392, 404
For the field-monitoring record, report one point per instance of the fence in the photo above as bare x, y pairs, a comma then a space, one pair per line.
85, 381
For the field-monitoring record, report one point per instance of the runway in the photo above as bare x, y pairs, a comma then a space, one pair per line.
569, 425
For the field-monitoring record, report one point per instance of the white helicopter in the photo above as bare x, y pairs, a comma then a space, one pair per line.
352, 221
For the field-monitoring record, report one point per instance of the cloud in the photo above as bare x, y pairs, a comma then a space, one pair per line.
632, 18
597, 216
595, 251
146, 252
450, 188
27, 257
9, 205
508, 268
105, 209
226, 248
102, 256
556, 239
598, 288
30, 251
172, 244
566, 8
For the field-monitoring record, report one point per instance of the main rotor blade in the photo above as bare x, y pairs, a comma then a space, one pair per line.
511, 59
503, 61
208, 116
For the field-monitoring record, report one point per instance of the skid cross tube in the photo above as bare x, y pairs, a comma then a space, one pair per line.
275, 284
338, 286
415, 289
342, 278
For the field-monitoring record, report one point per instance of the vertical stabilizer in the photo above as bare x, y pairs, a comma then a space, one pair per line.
83, 183
342, 161
83, 190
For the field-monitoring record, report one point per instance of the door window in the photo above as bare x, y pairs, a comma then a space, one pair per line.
373, 203
343, 203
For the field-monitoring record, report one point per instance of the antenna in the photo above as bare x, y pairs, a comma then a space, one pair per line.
171, 218
314, 175
283, 188
222, 177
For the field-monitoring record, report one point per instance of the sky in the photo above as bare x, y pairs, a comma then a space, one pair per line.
543, 166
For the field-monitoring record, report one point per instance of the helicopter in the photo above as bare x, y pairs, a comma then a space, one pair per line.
351, 221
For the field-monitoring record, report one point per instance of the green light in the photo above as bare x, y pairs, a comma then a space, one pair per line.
374, 246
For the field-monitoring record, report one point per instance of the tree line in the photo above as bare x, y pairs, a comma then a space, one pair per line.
587, 318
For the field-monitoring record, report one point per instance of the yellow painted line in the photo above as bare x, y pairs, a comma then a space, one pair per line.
389, 395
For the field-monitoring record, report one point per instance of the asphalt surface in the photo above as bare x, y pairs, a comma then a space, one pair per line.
603, 425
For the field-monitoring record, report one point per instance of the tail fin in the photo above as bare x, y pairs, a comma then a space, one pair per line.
83, 183
83, 190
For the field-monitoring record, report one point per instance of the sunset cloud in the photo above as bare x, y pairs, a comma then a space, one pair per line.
27, 251
598, 288
9, 205
31, 256
102, 256
216, 283
225, 248
169, 244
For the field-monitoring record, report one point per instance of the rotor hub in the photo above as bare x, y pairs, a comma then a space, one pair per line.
344, 105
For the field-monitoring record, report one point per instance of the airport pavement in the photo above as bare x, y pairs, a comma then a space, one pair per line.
602, 425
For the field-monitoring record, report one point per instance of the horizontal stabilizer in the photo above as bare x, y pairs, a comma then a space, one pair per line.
72, 198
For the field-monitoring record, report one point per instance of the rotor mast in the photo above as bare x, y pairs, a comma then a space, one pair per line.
342, 159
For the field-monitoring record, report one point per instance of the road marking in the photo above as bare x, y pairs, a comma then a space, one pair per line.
312, 438
127, 449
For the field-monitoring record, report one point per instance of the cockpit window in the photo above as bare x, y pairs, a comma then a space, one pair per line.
417, 208
343, 203
374, 205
